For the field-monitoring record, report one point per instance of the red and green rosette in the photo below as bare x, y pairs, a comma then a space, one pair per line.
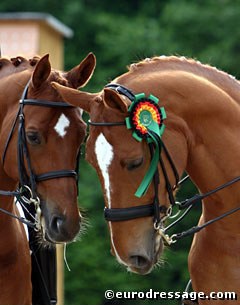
146, 120
145, 115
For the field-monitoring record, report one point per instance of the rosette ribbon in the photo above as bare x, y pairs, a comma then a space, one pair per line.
146, 120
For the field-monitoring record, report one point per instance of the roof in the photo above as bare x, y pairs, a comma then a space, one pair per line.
47, 18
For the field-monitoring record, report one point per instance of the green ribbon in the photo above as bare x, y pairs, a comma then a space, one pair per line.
147, 179
154, 135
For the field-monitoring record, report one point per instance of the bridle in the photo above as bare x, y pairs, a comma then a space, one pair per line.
155, 208
152, 209
26, 192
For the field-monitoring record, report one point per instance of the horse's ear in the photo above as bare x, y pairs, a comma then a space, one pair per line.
75, 97
41, 72
114, 100
81, 74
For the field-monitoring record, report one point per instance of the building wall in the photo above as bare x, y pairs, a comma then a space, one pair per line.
51, 42
19, 38
29, 38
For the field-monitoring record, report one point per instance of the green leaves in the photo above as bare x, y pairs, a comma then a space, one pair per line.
120, 33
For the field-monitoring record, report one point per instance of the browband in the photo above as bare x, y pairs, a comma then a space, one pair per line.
122, 90
44, 103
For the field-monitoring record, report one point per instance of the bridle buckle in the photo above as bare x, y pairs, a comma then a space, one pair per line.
28, 199
168, 239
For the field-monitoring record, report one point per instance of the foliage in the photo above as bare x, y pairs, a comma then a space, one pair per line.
120, 33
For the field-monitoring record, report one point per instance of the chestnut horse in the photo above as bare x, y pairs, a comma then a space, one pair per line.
40, 138
200, 108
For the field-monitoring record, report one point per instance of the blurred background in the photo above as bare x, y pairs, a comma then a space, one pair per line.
120, 33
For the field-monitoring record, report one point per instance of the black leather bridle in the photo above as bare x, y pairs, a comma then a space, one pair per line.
155, 208
27, 190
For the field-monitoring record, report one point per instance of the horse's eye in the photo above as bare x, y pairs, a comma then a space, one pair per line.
33, 137
133, 164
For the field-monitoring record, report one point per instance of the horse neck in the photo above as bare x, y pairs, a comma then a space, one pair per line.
6, 184
209, 118
12, 232
11, 88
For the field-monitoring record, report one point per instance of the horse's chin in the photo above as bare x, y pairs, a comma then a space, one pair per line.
49, 242
140, 271
48, 239
148, 268
45, 240
155, 259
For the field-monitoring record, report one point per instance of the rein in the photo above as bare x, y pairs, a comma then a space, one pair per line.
27, 190
155, 208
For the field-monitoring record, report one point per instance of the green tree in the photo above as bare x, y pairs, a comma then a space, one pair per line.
120, 33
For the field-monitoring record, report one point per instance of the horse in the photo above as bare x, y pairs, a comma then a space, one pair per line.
40, 138
164, 116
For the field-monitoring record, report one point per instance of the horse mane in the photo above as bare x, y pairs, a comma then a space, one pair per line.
225, 81
19, 64
16, 64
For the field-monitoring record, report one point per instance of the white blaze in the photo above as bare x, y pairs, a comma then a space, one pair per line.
104, 154
62, 125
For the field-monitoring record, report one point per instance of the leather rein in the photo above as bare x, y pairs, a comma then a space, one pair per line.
26, 193
155, 208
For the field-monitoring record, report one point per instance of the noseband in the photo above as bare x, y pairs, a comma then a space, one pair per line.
155, 208
27, 191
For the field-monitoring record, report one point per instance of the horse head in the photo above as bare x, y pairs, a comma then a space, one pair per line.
52, 135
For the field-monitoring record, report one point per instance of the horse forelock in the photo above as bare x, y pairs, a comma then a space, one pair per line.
19, 64
58, 77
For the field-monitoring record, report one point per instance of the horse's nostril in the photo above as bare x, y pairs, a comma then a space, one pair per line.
56, 224
61, 228
140, 262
